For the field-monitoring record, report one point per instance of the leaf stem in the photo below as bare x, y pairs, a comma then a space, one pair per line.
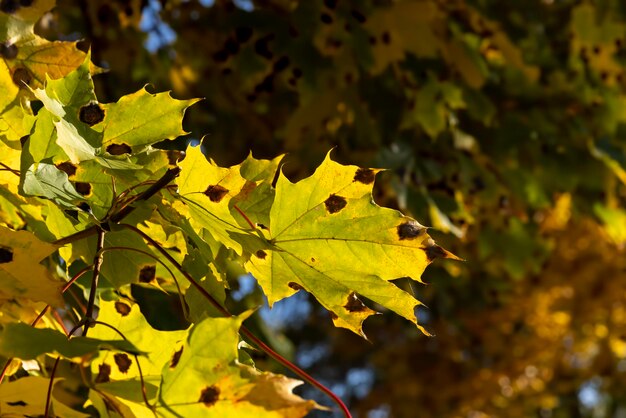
143, 383
97, 263
49, 394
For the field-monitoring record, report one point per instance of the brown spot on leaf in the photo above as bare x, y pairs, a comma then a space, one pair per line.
209, 395
17, 403
22, 77
82, 188
119, 149
386, 38
365, 175
410, 230
104, 371
295, 286
6, 255
335, 203
122, 308
312, 259
331, 4
91, 114
67, 167
8, 50
333, 316
434, 251
123, 362
354, 304
216, 192
261, 254
176, 358
147, 274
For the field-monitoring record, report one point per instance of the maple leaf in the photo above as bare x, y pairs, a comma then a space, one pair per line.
21, 275
327, 236
204, 379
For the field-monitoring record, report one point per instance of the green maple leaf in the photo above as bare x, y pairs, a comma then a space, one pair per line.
327, 236
204, 379
23, 341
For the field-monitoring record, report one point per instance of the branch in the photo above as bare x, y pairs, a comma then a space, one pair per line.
97, 263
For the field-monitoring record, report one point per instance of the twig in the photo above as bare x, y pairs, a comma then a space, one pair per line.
49, 395
97, 263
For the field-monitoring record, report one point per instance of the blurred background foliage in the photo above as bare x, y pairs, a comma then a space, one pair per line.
502, 126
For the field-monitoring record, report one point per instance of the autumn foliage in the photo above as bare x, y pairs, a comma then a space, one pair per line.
500, 125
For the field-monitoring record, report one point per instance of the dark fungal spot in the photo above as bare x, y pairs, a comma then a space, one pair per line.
386, 38
21, 77
243, 34
118, 149
17, 403
312, 259
82, 188
358, 16
9, 6
331, 4
176, 358
261, 254
122, 308
335, 203
215, 192
8, 50
104, 373
434, 251
295, 286
209, 395
147, 274
365, 175
262, 226
372, 40
26, 3
354, 304
326, 18
122, 361
281, 64
297, 72
410, 230
6, 255
91, 114
67, 167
